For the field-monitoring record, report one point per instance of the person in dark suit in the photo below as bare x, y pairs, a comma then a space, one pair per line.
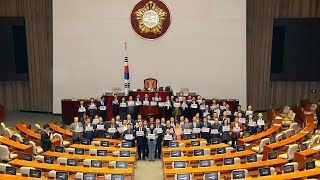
195, 124
115, 105
88, 130
207, 111
239, 110
131, 106
112, 129
186, 125
138, 103
126, 133
75, 128
123, 110
92, 108
224, 117
260, 120
184, 107
159, 128
225, 135
99, 133
102, 106
251, 125
205, 125
141, 140
193, 107
81, 109
236, 127
228, 111
45, 138
216, 125
168, 108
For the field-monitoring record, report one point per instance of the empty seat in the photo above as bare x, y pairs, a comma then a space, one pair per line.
95, 143
19, 138
52, 174
87, 162
70, 150
203, 143
245, 173
62, 142
229, 149
259, 157
278, 137
294, 126
314, 141
25, 171
263, 142
2, 128
3, 167
290, 153
78, 176
112, 164
39, 158
5, 154
207, 151
93, 152
288, 132
36, 150
62, 161
7, 133
182, 144
37, 126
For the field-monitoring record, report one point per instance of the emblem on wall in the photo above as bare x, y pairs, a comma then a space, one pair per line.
150, 19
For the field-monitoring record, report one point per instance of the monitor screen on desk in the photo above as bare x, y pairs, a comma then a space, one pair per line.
303, 146
252, 158
85, 141
124, 153
193, 136
198, 152
215, 141
126, 144
221, 150
107, 136
89, 176
240, 148
272, 155
102, 152
72, 162
13, 138
264, 171
59, 149
117, 176
11, 170
27, 157
179, 164
173, 144
195, 143
205, 163
79, 151
48, 160
62, 175
288, 168
183, 176
310, 165
35, 173
96, 164
228, 161
211, 176
122, 164
175, 154
238, 174
25, 141
105, 143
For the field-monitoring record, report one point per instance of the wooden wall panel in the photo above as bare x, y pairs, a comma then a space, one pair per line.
35, 94
262, 92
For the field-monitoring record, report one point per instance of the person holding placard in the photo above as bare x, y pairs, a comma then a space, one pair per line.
100, 128
224, 117
88, 130
131, 106
168, 136
130, 120
152, 142
199, 99
228, 111
76, 128
195, 126
81, 109
193, 107
112, 129
251, 125
239, 110
217, 110
172, 122
168, 107
115, 105
102, 106
213, 105
184, 108
261, 123
206, 112
123, 108
181, 121
177, 131
225, 135
216, 129
236, 127
159, 129
176, 112
141, 140
153, 102
129, 135
249, 111
186, 129
96, 119
205, 129
138, 103
241, 118
92, 108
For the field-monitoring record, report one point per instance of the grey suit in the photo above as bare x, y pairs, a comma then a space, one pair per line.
152, 144
75, 135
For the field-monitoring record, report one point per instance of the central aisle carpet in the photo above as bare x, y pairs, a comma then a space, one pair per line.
149, 170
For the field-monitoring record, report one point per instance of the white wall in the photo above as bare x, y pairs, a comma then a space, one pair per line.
204, 49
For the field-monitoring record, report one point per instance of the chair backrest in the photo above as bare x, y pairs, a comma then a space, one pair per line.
62, 160
2, 128
229, 149
7, 133
313, 107
93, 152
34, 147
24, 171
39, 158
3, 167
95, 143
236, 160
207, 151
87, 162
4, 153
259, 157
314, 141
278, 137
19, 138
37, 126
263, 142
291, 150
294, 126
78, 176
52, 174
286, 110
70, 150
59, 136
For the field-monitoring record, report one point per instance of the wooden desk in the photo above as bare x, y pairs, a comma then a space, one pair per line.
60, 130
306, 155
87, 156
168, 160
225, 169
111, 149
111, 141
297, 137
71, 169
273, 129
16, 145
30, 133
294, 175
192, 148
188, 141
6, 176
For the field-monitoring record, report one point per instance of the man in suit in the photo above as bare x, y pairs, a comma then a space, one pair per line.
228, 111
193, 107
141, 140
224, 117
205, 125
115, 105
127, 133
235, 128
112, 129
99, 133
81, 109
239, 110
92, 108
75, 128
45, 138
88, 130
130, 120
102, 106
251, 125
195, 124
186, 125
168, 108
260, 121
138, 103
159, 128
218, 129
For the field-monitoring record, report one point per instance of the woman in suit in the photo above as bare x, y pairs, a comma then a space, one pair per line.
152, 142
178, 131
166, 142
235, 128
225, 136
176, 112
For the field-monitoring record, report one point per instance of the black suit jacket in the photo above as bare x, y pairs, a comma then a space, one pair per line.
100, 104
141, 138
45, 141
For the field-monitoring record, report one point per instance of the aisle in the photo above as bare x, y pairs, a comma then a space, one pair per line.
147, 170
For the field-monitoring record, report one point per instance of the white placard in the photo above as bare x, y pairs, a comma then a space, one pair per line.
151, 136
180, 98
176, 105
236, 129
159, 130
225, 128
214, 131
79, 129
202, 107
252, 123
92, 106
153, 103
167, 104
168, 137
235, 113
228, 113
212, 107
138, 103
130, 103
95, 121
128, 136
118, 122
112, 130
196, 130
193, 106
161, 104
123, 104
103, 108
222, 107
140, 133
242, 120
146, 103
211, 121
100, 127
199, 101
82, 109
248, 113
184, 105
205, 129
187, 131
89, 128
120, 129
115, 102
178, 132
260, 122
